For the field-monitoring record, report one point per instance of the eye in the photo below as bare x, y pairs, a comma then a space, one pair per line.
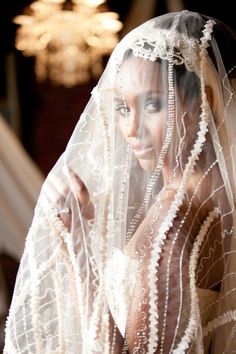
123, 110
153, 105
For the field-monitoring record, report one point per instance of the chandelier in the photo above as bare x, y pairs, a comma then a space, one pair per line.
69, 39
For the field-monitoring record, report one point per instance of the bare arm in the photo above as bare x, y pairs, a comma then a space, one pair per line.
167, 283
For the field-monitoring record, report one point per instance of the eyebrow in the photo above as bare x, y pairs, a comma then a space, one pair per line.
141, 95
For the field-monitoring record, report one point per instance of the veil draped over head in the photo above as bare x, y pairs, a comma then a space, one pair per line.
132, 248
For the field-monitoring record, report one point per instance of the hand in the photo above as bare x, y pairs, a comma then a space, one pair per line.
60, 194
83, 197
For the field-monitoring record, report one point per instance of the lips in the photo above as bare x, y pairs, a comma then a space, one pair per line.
142, 150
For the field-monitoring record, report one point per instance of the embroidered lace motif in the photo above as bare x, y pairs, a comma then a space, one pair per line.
168, 45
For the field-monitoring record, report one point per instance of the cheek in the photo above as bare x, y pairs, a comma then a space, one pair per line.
122, 126
156, 128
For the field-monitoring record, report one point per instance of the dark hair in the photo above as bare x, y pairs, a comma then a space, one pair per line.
222, 34
193, 23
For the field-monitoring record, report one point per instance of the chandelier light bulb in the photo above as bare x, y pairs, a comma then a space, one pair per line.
67, 39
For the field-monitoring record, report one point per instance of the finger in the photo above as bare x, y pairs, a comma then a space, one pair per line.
79, 189
56, 190
65, 216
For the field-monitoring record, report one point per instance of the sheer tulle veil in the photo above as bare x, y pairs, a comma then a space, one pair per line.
132, 247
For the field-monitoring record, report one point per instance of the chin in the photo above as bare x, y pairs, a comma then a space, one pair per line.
147, 165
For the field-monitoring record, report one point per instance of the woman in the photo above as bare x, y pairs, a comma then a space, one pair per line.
132, 246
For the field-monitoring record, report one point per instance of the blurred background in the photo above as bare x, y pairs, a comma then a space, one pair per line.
37, 117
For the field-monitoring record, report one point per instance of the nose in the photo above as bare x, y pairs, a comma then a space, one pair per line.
133, 125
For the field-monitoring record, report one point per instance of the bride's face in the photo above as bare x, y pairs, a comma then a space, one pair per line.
142, 109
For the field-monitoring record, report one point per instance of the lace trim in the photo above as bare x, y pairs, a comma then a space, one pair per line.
9, 347
168, 222
93, 342
190, 203
36, 273
153, 338
194, 315
219, 321
185, 50
169, 45
100, 322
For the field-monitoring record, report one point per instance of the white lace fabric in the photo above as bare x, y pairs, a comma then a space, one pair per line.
132, 246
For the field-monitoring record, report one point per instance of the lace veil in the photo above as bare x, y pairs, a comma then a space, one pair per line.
132, 247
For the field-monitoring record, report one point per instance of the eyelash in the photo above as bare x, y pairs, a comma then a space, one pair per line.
124, 111
156, 104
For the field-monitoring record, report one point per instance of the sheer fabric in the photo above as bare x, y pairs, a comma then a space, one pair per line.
132, 247
17, 196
